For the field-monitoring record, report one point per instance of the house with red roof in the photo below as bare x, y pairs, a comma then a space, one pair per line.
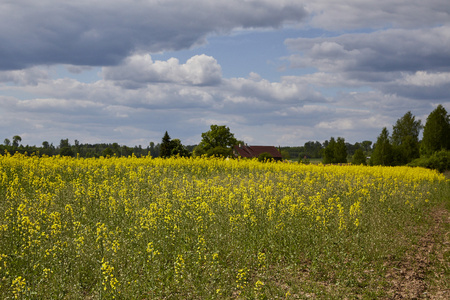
254, 151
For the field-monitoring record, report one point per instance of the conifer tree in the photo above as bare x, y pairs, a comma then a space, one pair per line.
382, 153
340, 151
328, 152
166, 146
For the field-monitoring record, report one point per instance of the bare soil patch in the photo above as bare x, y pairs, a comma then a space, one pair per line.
423, 273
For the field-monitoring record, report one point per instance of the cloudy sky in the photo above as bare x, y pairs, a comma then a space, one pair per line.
275, 72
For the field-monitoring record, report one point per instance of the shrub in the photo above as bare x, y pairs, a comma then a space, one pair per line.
265, 156
439, 161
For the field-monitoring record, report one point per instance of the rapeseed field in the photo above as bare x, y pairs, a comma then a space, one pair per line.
183, 228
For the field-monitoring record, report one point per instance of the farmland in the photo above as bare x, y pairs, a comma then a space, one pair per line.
143, 228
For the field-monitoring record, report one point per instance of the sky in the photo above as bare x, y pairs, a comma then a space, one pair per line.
276, 73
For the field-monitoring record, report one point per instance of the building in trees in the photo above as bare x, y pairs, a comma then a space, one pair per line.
257, 152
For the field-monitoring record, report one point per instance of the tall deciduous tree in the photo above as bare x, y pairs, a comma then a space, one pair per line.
405, 138
178, 149
16, 140
382, 153
436, 133
217, 141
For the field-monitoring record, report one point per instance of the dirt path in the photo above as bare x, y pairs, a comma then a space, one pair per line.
424, 271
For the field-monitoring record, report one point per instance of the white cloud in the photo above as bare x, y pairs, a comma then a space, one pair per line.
31, 76
425, 79
139, 70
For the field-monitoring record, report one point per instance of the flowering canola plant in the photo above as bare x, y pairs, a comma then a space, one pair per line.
142, 227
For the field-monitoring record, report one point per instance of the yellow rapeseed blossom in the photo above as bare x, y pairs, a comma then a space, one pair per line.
182, 217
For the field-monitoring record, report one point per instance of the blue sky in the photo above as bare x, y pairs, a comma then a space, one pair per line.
275, 72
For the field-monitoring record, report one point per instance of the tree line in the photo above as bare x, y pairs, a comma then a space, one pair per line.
403, 146
400, 148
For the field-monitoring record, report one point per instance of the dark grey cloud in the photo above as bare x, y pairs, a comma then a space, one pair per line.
103, 32
382, 51
356, 14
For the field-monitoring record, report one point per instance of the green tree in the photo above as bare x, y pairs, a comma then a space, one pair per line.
340, 151
367, 145
382, 153
64, 148
312, 149
7, 142
359, 158
178, 149
171, 147
152, 149
328, 152
218, 140
166, 146
16, 140
335, 151
436, 133
405, 138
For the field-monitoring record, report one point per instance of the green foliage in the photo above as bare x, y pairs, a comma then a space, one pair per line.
166, 146
335, 152
177, 149
108, 152
16, 140
215, 141
265, 156
328, 153
340, 151
436, 133
383, 153
219, 151
359, 158
405, 138
440, 161
285, 154
171, 147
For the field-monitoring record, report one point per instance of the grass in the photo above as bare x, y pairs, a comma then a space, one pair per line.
130, 228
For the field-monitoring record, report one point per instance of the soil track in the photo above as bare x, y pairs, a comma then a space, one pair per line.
423, 272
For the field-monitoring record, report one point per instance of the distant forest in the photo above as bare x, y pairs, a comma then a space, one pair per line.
65, 148
402, 147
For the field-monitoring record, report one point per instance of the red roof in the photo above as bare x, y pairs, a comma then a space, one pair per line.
255, 151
